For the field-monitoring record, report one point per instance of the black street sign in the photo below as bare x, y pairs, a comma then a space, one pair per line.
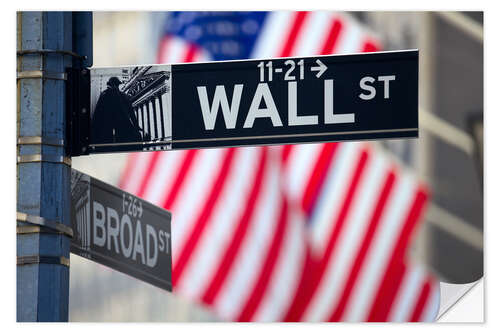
254, 102
121, 231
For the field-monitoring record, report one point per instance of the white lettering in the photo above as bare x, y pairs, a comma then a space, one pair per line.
162, 242
220, 100
126, 250
113, 231
167, 241
293, 118
386, 80
99, 219
363, 85
138, 242
331, 118
151, 234
270, 111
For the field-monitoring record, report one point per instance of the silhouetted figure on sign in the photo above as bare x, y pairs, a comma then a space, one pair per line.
114, 119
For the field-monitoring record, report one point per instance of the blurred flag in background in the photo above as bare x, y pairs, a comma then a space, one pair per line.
316, 232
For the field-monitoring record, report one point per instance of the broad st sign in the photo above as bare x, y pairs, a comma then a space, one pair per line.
254, 102
121, 231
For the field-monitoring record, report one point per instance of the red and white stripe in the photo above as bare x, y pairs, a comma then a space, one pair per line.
334, 280
174, 49
230, 206
256, 252
372, 273
313, 232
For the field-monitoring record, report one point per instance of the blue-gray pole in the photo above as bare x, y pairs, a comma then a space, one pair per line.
43, 171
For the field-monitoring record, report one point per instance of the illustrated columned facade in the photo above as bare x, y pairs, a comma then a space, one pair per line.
148, 94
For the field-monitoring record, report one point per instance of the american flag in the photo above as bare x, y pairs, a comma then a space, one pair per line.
316, 232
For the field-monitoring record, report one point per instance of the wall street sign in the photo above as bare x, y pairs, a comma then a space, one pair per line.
121, 231
254, 102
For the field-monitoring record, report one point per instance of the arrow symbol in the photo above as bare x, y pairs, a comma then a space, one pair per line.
320, 69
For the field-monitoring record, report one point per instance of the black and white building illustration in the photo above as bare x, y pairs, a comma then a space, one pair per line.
131, 106
80, 198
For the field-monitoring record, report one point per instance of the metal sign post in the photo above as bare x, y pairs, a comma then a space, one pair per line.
45, 49
43, 169
250, 102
